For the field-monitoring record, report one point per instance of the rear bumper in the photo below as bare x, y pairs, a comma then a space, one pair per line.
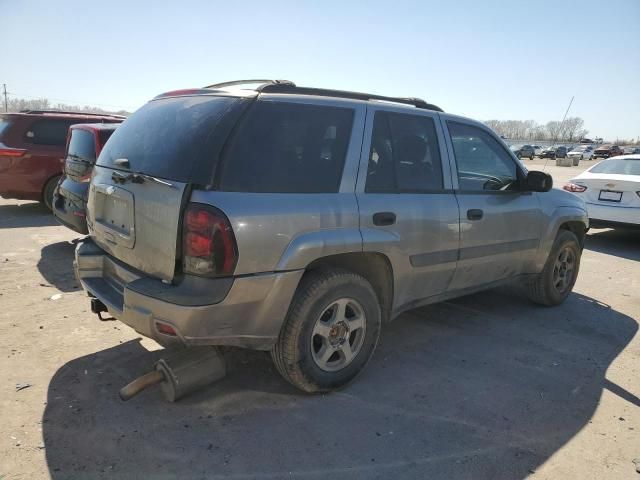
245, 311
611, 215
69, 207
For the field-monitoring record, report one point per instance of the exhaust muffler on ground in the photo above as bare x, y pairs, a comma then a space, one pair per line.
179, 373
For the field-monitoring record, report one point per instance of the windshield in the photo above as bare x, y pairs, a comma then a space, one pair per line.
618, 166
171, 138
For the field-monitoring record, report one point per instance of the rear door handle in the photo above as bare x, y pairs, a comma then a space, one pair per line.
382, 219
475, 214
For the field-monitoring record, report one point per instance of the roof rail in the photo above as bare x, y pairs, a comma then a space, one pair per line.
292, 88
74, 113
262, 83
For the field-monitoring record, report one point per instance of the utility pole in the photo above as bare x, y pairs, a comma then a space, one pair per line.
4, 88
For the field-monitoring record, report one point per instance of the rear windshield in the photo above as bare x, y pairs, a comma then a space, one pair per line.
172, 138
618, 166
288, 148
82, 146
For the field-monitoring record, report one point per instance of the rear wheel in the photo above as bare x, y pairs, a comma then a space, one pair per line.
330, 333
47, 192
554, 284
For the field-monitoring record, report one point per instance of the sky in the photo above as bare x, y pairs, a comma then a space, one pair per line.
483, 59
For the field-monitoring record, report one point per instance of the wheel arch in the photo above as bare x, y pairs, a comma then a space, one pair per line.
375, 267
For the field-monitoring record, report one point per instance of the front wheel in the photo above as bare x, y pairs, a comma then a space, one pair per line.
330, 332
554, 284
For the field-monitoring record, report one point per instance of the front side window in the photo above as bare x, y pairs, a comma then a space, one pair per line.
404, 155
288, 148
483, 164
49, 132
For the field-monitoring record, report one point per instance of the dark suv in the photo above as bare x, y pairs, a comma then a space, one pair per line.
70, 196
32, 145
296, 220
525, 151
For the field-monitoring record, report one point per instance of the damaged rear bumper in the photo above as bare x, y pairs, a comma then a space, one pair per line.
245, 311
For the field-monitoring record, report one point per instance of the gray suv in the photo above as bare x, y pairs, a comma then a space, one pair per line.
299, 220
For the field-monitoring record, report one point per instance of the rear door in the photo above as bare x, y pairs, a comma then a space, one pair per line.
500, 226
144, 174
407, 207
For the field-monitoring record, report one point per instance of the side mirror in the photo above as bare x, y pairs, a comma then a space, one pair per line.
538, 181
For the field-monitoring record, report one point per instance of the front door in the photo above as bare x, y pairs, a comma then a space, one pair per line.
407, 209
500, 225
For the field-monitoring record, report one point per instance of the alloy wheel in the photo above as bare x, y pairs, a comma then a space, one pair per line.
563, 270
338, 334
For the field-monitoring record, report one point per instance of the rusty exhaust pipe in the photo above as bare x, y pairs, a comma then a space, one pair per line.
141, 383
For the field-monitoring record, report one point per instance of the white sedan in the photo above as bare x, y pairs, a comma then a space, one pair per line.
581, 153
611, 190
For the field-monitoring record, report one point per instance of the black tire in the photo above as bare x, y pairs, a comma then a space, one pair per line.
542, 288
47, 192
293, 353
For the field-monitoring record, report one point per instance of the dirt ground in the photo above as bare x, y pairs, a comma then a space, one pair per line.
485, 387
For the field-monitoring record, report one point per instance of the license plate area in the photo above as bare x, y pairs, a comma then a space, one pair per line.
610, 196
114, 217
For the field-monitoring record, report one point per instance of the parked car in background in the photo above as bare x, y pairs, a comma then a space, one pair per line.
582, 152
632, 151
32, 144
548, 152
525, 151
611, 191
606, 151
85, 141
537, 150
228, 216
561, 151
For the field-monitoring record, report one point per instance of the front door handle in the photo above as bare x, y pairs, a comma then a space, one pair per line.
382, 219
475, 214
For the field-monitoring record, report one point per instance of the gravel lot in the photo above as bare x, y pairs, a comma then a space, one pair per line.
487, 386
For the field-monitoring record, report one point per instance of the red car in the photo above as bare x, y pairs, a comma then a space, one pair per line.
32, 145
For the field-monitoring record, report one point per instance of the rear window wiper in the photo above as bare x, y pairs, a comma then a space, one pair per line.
138, 178
73, 156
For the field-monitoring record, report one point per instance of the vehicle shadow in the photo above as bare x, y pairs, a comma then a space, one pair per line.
26, 215
624, 243
487, 386
56, 265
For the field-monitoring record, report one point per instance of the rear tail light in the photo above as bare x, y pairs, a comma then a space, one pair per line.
572, 187
208, 244
12, 152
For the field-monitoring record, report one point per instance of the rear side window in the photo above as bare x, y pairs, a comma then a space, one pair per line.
4, 125
104, 135
49, 132
173, 138
404, 155
288, 148
82, 146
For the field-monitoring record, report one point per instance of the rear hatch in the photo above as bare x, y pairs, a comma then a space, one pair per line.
144, 175
81, 154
